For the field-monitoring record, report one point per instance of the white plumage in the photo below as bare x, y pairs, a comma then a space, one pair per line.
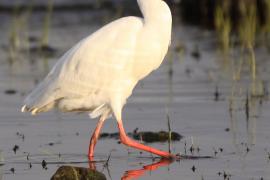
106, 64
99, 73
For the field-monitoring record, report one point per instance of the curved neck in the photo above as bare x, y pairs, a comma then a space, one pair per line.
155, 11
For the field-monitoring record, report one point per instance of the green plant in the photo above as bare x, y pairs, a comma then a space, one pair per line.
18, 33
223, 25
46, 25
247, 32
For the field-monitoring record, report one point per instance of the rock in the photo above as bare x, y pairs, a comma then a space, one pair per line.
78, 173
160, 136
146, 136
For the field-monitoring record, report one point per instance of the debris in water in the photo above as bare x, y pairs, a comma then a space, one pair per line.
196, 53
44, 164
247, 107
20, 135
215, 151
217, 94
106, 164
109, 135
15, 148
226, 175
50, 143
12, 170
221, 149
185, 147
135, 131
10, 91
191, 149
193, 168
53, 143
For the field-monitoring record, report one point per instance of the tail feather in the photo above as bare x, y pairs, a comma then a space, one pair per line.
34, 111
41, 99
47, 93
27, 109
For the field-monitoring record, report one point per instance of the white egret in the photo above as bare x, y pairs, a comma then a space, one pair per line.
98, 74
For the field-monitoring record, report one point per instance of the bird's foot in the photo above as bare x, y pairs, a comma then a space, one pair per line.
175, 156
172, 157
178, 157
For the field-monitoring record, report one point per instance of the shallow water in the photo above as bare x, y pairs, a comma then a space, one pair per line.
240, 146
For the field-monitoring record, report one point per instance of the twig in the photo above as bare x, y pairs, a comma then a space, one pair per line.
170, 133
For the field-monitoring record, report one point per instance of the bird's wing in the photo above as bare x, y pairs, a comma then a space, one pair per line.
95, 63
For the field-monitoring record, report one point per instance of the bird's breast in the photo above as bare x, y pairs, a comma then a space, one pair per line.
150, 52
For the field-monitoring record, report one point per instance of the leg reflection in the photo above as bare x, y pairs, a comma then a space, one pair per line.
91, 163
134, 174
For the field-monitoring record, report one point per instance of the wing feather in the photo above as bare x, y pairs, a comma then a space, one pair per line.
94, 64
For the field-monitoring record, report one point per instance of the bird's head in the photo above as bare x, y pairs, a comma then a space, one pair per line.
157, 9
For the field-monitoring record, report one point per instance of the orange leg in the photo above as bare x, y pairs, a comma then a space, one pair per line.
95, 137
128, 142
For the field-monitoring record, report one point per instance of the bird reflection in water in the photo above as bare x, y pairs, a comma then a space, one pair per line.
136, 173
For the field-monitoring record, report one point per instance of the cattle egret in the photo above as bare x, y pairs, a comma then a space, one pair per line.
98, 74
